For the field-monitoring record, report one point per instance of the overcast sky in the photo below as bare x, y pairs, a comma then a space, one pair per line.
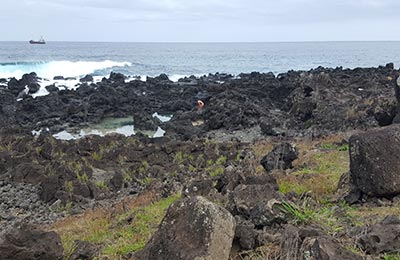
200, 20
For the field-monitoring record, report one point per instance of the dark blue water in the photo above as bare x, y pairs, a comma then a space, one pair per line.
75, 59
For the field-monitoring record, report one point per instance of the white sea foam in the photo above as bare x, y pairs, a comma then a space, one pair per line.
162, 118
176, 77
51, 69
60, 84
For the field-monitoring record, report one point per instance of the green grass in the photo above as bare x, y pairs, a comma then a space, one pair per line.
319, 177
391, 257
102, 185
303, 213
298, 214
330, 146
110, 229
97, 156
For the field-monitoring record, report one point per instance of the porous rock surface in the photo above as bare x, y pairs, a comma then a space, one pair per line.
193, 228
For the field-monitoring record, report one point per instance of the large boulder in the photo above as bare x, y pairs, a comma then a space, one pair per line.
383, 237
375, 161
281, 157
30, 244
193, 228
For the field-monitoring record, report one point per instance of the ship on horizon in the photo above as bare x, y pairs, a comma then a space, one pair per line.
40, 41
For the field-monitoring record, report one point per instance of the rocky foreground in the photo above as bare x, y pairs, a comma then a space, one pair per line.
302, 165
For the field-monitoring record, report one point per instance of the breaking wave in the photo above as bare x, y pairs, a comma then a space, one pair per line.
59, 68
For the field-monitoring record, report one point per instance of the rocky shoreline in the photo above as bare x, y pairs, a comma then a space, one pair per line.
225, 165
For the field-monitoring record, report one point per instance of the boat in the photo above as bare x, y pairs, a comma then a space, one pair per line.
41, 41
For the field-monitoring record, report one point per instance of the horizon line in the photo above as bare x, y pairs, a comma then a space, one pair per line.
216, 42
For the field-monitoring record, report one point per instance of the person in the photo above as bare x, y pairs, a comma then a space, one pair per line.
200, 104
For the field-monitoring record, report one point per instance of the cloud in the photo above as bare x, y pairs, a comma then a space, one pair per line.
210, 18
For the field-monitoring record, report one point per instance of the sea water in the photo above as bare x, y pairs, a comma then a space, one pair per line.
76, 59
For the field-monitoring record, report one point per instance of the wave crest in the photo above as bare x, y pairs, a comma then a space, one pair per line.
57, 68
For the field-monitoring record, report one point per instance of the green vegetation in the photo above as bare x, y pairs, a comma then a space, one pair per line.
304, 213
319, 177
127, 177
69, 187
221, 160
146, 181
60, 208
330, 146
113, 231
217, 168
178, 159
102, 185
97, 156
82, 177
215, 171
145, 166
299, 215
391, 257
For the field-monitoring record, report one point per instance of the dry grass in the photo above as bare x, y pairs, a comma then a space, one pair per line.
266, 252
371, 215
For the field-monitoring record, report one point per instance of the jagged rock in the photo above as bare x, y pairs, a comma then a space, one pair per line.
58, 78
87, 78
30, 244
162, 78
199, 188
347, 191
303, 109
374, 161
52, 88
383, 237
270, 127
281, 157
28, 172
33, 88
253, 192
84, 90
192, 229
117, 77
229, 180
311, 243
245, 234
145, 121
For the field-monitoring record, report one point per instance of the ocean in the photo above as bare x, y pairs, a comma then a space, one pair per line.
75, 59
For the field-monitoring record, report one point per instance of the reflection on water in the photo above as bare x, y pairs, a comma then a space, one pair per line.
122, 126
126, 130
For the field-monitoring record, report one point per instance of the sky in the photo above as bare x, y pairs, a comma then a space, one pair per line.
200, 20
